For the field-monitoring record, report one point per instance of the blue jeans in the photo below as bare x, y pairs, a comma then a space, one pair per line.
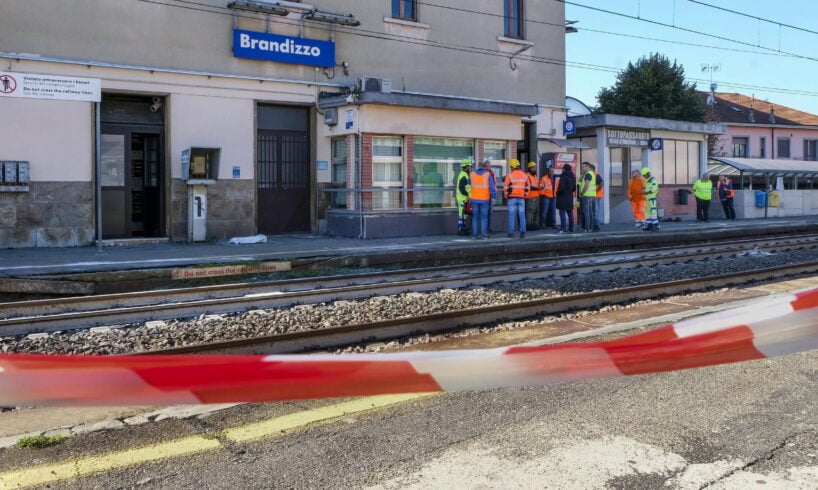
588, 207
566, 218
479, 218
548, 217
598, 214
516, 210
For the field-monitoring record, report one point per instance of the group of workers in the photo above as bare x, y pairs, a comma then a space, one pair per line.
533, 202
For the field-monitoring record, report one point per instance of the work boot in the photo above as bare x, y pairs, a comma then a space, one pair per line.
522, 235
510, 235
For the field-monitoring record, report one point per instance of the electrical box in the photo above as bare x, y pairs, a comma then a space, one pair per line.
22, 173
10, 172
201, 165
331, 116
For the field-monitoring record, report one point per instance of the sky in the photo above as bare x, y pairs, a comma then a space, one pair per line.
760, 68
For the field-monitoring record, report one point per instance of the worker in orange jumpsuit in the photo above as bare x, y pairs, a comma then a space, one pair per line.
636, 196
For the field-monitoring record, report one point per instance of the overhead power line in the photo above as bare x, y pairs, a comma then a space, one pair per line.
762, 19
213, 9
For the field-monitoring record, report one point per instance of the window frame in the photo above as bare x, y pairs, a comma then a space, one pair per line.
778, 148
742, 141
514, 28
387, 184
814, 143
762, 147
399, 10
338, 200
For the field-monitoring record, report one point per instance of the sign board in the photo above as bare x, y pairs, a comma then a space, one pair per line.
229, 270
53, 87
569, 127
657, 144
560, 159
284, 49
236, 172
322, 165
628, 137
349, 123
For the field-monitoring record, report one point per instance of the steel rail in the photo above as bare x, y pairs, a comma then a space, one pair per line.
605, 260
266, 299
326, 338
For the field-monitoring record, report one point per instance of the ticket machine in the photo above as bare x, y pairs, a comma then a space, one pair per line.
200, 168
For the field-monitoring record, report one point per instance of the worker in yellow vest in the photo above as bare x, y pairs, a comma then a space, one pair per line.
651, 192
516, 188
587, 197
703, 189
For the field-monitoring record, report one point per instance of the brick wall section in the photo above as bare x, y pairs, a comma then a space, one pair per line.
409, 144
481, 148
366, 170
512, 150
667, 200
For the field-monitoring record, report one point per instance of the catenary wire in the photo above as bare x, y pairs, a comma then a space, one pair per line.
762, 19
195, 6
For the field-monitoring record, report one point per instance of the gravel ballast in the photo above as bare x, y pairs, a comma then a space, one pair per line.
257, 323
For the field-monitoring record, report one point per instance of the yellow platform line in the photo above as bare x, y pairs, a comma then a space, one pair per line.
49, 473
289, 423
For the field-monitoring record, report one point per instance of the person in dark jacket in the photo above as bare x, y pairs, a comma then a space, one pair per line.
565, 199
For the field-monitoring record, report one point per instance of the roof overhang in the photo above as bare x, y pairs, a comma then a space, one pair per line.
768, 166
619, 121
429, 101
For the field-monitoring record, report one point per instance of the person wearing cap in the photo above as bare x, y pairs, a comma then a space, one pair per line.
651, 191
548, 187
483, 191
703, 189
637, 198
532, 200
462, 192
516, 188
587, 197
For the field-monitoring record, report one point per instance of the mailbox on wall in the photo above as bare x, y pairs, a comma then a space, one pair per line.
14, 176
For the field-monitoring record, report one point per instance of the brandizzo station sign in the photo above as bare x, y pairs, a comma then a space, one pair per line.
284, 49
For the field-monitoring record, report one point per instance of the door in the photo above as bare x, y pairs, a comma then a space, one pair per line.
622, 161
283, 170
132, 197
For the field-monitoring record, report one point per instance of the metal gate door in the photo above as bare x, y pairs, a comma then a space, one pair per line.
283, 182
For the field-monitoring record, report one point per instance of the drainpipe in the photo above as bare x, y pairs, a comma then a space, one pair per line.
98, 170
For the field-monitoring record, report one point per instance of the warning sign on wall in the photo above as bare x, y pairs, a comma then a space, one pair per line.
37, 86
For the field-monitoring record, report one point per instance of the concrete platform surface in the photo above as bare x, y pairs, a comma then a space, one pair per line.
36, 261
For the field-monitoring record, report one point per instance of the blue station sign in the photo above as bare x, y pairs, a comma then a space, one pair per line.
283, 49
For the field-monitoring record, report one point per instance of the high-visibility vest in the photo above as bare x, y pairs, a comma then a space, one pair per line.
547, 187
600, 189
651, 188
516, 184
703, 189
591, 190
480, 186
459, 195
534, 191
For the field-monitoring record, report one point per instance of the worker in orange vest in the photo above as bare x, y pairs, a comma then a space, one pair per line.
516, 188
548, 209
636, 196
532, 201
726, 195
600, 199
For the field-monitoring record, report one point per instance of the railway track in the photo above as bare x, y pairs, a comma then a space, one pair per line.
83, 312
327, 338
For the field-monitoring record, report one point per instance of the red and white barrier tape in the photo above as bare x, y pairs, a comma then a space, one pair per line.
768, 329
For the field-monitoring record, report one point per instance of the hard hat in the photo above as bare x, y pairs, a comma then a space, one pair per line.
531, 165
514, 163
466, 162
645, 171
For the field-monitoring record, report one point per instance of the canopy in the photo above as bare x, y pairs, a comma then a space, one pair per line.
762, 166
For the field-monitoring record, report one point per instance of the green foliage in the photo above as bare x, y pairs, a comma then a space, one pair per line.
653, 87
39, 442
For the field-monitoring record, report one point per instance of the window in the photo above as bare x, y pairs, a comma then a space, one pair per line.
693, 161
741, 147
811, 150
677, 164
436, 167
495, 151
405, 9
617, 162
783, 150
513, 18
762, 147
657, 166
339, 172
387, 171
669, 163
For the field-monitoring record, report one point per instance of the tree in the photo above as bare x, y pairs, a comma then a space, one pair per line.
653, 87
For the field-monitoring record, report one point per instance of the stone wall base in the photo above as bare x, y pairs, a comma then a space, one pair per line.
230, 209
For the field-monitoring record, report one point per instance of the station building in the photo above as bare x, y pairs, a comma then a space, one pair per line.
205, 120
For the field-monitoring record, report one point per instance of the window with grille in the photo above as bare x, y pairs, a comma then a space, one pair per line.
762, 147
495, 152
741, 147
405, 9
513, 18
783, 148
436, 166
387, 171
339, 172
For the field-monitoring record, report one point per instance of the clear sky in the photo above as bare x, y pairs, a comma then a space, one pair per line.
762, 68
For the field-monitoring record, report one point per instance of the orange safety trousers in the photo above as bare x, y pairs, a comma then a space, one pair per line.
638, 209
